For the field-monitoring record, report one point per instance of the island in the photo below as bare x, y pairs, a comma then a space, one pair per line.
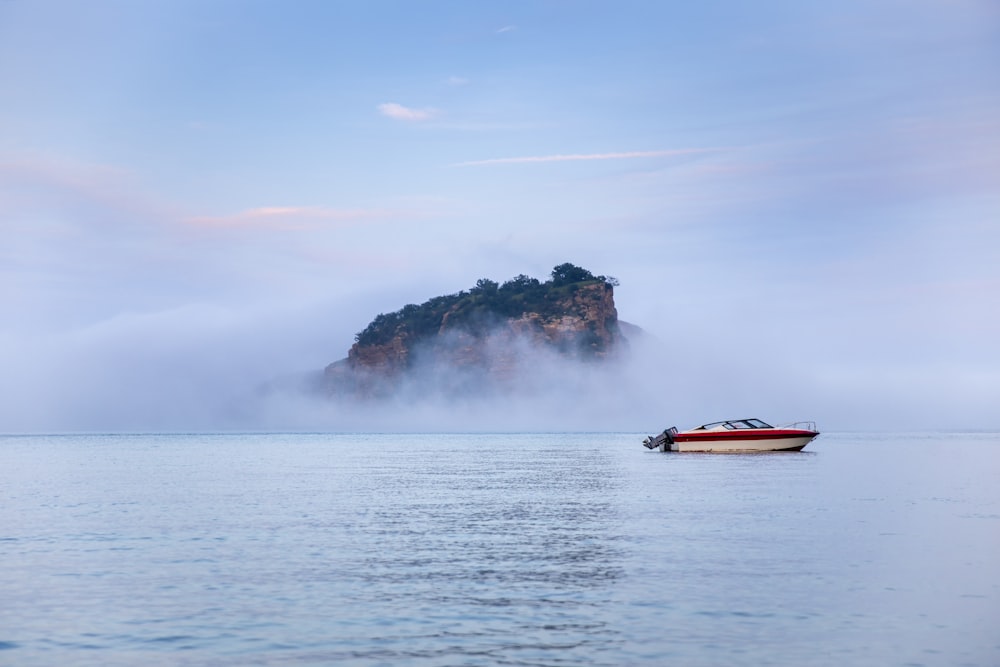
488, 338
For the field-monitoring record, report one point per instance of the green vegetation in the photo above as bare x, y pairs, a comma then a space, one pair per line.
478, 308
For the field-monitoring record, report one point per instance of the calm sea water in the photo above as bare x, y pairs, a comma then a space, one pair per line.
533, 549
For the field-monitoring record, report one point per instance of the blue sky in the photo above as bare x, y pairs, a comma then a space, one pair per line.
801, 200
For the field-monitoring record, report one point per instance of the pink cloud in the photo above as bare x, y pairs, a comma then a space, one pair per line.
399, 112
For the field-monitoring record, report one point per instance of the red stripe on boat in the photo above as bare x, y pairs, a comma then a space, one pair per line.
742, 434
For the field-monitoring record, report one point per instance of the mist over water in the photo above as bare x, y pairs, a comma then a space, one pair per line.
499, 379
215, 369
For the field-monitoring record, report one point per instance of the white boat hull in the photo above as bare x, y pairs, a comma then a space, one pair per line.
734, 445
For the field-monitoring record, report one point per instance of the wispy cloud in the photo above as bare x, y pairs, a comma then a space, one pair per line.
573, 157
399, 112
506, 28
457, 81
292, 218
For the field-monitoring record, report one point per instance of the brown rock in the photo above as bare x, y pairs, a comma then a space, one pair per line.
582, 325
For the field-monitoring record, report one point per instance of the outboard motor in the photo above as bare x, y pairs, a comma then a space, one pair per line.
663, 442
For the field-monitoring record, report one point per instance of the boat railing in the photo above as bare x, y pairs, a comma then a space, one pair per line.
805, 426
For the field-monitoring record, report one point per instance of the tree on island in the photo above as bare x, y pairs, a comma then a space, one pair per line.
567, 273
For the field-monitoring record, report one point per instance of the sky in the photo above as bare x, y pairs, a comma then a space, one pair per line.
800, 200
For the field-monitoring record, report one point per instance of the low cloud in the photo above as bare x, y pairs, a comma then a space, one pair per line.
399, 112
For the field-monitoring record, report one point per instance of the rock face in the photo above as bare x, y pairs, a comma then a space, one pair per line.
485, 351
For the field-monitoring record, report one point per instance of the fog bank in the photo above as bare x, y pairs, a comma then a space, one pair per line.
214, 369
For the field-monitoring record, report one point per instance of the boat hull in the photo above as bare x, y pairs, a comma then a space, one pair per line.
760, 444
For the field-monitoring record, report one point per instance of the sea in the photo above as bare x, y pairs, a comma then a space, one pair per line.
497, 549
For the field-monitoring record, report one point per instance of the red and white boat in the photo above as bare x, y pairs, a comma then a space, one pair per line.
735, 435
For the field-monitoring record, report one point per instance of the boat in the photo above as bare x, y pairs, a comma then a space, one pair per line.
735, 435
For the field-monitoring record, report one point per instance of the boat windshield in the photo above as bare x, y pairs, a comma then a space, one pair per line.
736, 424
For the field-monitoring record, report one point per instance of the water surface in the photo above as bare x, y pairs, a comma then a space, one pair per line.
531, 549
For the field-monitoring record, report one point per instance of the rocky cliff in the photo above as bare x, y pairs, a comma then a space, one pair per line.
484, 339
